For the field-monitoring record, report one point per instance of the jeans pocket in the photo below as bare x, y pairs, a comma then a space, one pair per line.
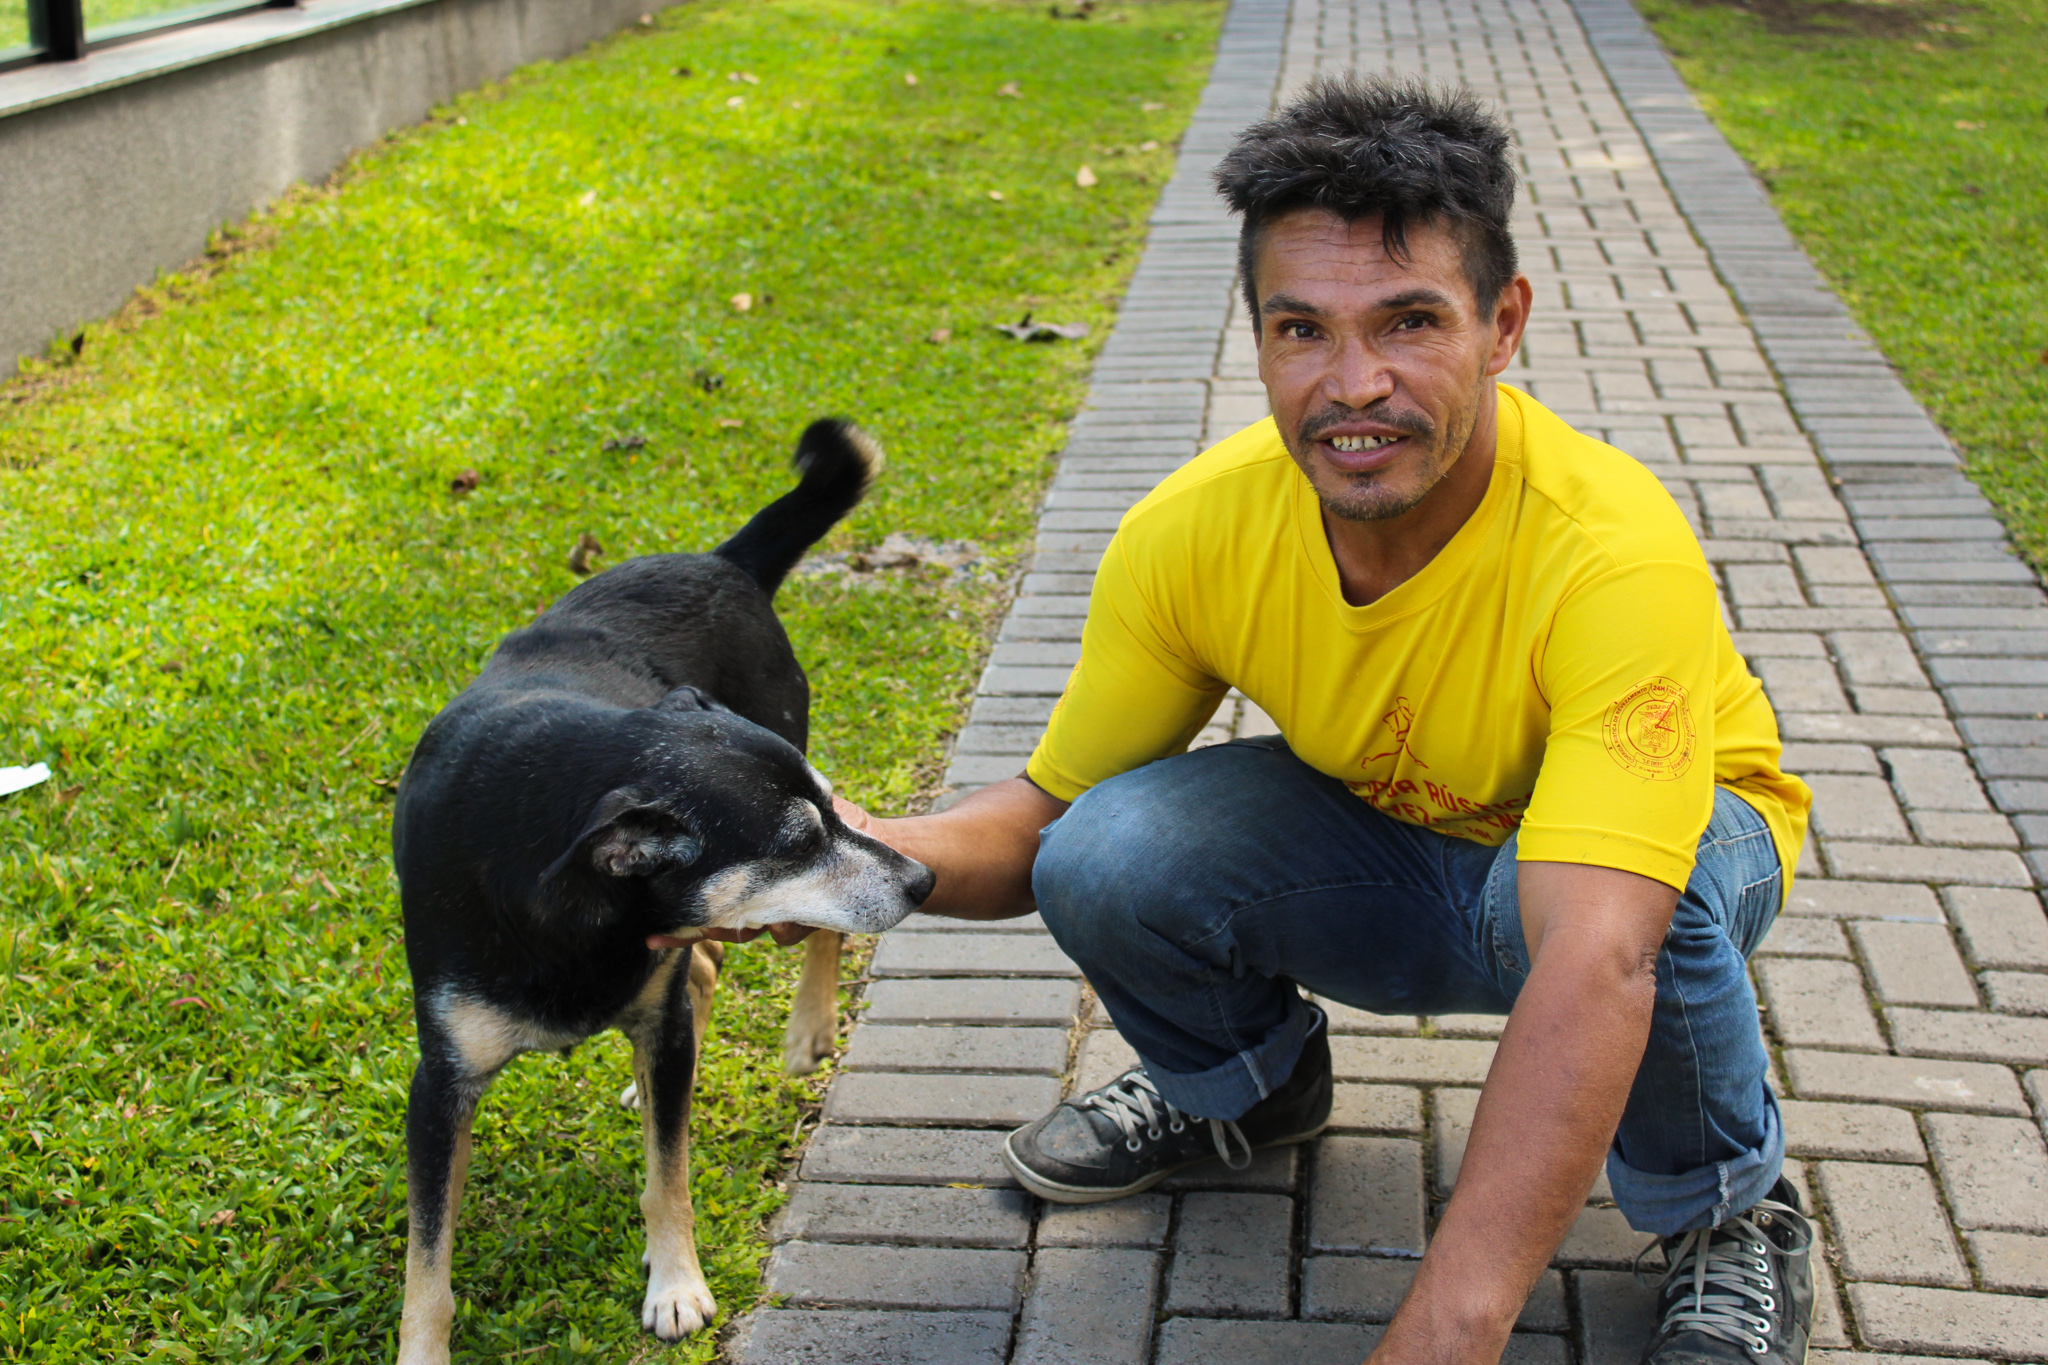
1756, 910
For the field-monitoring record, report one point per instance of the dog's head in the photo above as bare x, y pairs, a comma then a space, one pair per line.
725, 825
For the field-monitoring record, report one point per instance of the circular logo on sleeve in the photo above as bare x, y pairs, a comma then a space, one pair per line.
1650, 731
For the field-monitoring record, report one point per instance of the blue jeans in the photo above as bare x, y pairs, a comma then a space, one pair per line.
1199, 892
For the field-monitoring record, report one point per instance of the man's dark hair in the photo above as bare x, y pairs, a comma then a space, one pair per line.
1400, 150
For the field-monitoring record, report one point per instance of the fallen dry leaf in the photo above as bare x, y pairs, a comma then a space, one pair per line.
940, 336
646, 18
731, 422
1026, 330
736, 101
683, 71
996, 195
222, 1219
1085, 178
633, 442
2042, 359
742, 302
1968, 126
465, 482
910, 78
579, 557
1148, 146
1151, 107
587, 198
750, 78
1008, 90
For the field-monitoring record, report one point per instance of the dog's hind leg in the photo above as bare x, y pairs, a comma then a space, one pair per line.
814, 1019
664, 1068
437, 1124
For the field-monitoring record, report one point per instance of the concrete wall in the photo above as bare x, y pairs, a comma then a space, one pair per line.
100, 190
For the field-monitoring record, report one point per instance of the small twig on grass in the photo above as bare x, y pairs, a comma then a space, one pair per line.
368, 730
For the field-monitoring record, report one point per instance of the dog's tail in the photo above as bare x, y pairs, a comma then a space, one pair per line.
837, 460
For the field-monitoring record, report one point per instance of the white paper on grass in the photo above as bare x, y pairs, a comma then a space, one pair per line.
19, 779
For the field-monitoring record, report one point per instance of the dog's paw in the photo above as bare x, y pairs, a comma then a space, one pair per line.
803, 1049
676, 1306
629, 1098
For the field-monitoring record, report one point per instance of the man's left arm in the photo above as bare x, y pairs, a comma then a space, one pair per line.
1559, 1080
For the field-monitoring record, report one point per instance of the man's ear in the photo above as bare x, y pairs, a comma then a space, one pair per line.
630, 836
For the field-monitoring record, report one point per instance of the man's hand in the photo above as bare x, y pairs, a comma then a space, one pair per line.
981, 849
1559, 1081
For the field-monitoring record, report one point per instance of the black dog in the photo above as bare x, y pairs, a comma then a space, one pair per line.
629, 765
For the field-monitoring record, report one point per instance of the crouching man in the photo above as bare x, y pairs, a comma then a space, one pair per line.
1522, 770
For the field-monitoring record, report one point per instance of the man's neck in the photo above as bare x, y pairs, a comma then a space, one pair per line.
1375, 557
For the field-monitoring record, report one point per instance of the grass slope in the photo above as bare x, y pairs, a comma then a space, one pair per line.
241, 585
1906, 145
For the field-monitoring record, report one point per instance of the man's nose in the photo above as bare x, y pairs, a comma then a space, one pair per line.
1359, 375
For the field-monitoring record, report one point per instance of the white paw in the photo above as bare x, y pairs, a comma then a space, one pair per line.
676, 1306
802, 1050
629, 1098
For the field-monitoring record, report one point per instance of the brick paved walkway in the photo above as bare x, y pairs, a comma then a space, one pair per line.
1904, 647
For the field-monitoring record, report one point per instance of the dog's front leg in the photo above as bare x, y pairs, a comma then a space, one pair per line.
437, 1124
814, 1020
664, 1068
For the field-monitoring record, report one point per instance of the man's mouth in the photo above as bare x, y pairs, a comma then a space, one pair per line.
1355, 444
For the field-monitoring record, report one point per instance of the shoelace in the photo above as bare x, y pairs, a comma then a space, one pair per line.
1735, 1295
1135, 1106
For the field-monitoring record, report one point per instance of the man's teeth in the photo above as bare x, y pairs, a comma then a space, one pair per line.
1356, 443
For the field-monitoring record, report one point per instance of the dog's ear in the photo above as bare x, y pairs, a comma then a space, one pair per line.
628, 835
687, 698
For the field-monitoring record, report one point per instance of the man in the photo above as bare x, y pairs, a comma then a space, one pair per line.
1523, 769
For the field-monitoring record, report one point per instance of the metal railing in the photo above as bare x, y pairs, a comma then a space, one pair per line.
65, 30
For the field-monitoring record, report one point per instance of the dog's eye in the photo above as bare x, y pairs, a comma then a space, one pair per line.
804, 830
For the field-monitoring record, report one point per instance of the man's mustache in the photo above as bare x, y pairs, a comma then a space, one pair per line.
1336, 415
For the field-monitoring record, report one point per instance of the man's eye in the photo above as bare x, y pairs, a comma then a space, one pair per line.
1413, 322
1297, 330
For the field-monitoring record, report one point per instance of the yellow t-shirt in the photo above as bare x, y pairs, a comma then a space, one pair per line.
1560, 667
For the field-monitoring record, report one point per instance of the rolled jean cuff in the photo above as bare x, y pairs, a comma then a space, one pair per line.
1666, 1205
1228, 1090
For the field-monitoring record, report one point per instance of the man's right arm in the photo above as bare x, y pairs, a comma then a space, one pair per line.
982, 849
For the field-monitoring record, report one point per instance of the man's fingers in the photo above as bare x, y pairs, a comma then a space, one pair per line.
853, 815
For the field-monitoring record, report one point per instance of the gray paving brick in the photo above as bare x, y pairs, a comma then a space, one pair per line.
1830, 758
1600, 1236
2010, 1261
1921, 1082
1453, 1110
1369, 1289
1818, 1003
908, 1215
1862, 900
972, 1001
1794, 937
1206, 1341
779, 1336
1231, 1255
1935, 779
1350, 1019
898, 1047
1952, 1322
1970, 1035
906, 1156
939, 1099
1425, 1061
1848, 729
1858, 1132
1889, 1225
2017, 992
1874, 658
1963, 830
1273, 1171
1366, 1195
1907, 863
2000, 928
1377, 1108
1088, 1307
820, 1273
1994, 1171
1616, 1316
1137, 1221
1914, 964
921, 923
970, 955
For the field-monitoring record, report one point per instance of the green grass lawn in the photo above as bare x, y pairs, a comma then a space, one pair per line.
1906, 144
241, 584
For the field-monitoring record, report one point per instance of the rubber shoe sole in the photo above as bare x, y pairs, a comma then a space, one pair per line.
1053, 1192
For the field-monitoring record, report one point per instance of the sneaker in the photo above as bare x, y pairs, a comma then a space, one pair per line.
1125, 1137
1742, 1291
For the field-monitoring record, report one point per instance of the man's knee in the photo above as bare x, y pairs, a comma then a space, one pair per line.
1110, 861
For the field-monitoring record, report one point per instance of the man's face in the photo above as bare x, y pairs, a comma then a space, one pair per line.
1377, 369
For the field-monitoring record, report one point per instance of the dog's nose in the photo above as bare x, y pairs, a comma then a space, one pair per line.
920, 886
